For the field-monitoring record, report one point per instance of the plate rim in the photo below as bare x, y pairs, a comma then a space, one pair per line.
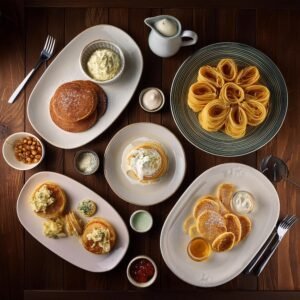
49, 68
243, 45
77, 182
105, 162
167, 220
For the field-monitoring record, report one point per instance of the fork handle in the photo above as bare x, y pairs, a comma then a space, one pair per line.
17, 91
259, 255
264, 262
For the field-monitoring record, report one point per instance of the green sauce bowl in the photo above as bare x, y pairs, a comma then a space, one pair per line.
141, 221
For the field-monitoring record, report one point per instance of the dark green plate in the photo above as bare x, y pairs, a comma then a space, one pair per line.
218, 143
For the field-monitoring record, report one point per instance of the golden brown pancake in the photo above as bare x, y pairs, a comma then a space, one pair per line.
233, 225
205, 204
210, 224
246, 226
223, 242
57, 207
225, 192
93, 224
74, 101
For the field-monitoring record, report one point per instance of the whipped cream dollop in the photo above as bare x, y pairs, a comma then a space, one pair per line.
166, 27
144, 162
242, 202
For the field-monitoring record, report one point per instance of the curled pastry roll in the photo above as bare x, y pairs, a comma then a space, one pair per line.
236, 122
213, 115
247, 76
259, 93
228, 69
232, 93
200, 93
210, 75
256, 112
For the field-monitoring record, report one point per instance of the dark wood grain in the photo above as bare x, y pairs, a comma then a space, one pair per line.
26, 265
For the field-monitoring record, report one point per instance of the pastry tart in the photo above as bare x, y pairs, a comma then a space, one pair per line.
147, 162
201, 93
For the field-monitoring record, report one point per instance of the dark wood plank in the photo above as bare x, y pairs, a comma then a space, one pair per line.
174, 295
283, 27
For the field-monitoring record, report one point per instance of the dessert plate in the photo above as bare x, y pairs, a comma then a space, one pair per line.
66, 67
70, 248
220, 267
148, 194
218, 143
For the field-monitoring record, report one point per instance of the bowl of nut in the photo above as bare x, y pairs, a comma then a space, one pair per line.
23, 151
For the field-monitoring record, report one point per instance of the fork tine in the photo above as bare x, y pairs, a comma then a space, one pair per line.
291, 219
52, 47
284, 222
50, 44
47, 42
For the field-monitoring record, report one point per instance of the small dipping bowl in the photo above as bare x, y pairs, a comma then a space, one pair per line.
98, 45
9, 153
136, 261
83, 159
141, 99
141, 221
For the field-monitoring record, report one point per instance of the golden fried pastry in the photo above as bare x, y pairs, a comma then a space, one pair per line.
210, 75
99, 236
259, 93
246, 226
236, 122
225, 192
48, 200
200, 93
256, 112
223, 242
228, 69
188, 222
193, 231
77, 105
247, 76
231, 93
233, 225
213, 116
199, 249
210, 224
147, 162
205, 204
74, 224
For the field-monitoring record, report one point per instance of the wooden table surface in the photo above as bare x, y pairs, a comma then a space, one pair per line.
27, 268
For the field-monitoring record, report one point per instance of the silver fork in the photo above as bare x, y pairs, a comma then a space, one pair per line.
282, 229
44, 56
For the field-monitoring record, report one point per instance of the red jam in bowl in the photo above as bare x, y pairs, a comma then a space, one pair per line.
141, 270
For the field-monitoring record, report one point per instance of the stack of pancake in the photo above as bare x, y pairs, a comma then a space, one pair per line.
77, 105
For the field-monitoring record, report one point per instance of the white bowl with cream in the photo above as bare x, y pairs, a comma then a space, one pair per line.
102, 61
152, 99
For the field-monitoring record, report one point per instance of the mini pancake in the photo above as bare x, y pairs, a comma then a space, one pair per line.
205, 204
233, 225
188, 222
90, 226
225, 192
210, 224
223, 242
57, 208
75, 100
246, 226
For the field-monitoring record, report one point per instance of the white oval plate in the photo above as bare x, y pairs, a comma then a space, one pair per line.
220, 267
149, 194
66, 67
70, 248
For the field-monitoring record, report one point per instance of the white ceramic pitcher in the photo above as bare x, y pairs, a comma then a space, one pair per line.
165, 46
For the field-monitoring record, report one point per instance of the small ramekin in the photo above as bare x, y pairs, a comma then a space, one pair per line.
78, 153
141, 99
89, 49
132, 217
9, 153
145, 284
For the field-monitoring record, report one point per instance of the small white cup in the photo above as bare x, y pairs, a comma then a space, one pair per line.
134, 214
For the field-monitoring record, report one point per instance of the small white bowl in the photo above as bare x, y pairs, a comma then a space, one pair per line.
89, 49
9, 153
145, 284
134, 214
76, 157
141, 99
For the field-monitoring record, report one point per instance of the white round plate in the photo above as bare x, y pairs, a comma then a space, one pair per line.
149, 194
220, 267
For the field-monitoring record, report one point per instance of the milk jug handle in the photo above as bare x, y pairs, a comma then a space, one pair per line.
189, 34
